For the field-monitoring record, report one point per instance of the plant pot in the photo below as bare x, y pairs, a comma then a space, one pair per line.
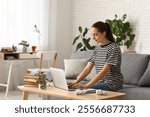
42, 86
41, 81
24, 49
123, 48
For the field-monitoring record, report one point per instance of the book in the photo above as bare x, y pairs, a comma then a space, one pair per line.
28, 85
31, 80
28, 76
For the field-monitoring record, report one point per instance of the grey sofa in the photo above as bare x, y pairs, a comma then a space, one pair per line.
136, 71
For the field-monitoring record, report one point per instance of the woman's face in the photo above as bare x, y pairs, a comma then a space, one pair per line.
97, 36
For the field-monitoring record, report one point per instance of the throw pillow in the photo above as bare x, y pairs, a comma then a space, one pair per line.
91, 75
145, 79
73, 67
133, 67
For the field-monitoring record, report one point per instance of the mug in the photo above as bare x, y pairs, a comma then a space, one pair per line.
33, 48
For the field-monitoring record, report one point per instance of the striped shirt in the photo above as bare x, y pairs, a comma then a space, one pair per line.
108, 54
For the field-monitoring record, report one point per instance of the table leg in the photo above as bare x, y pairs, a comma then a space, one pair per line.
46, 97
25, 95
9, 77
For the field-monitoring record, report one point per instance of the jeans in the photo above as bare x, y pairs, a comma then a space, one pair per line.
102, 86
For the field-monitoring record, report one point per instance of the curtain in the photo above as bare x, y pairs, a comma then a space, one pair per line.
17, 21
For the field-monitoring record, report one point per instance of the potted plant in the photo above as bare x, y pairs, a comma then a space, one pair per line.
121, 30
42, 81
25, 44
83, 42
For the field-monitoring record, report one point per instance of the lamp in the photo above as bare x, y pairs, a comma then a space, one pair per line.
38, 34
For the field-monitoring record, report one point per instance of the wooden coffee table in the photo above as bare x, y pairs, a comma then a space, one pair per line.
52, 91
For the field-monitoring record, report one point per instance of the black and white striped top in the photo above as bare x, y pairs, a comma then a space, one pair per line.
109, 54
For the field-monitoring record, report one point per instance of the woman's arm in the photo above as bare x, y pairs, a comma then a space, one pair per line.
85, 72
98, 76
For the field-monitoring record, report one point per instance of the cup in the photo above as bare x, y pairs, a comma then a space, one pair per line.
33, 48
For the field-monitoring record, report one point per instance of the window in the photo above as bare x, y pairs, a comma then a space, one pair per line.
17, 20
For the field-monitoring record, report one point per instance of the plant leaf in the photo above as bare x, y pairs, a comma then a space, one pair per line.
79, 46
128, 43
87, 44
75, 39
80, 29
121, 30
92, 47
88, 39
83, 49
124, 17
84, 43
118, 40
132, 37
85, 32
126, 26
123, 36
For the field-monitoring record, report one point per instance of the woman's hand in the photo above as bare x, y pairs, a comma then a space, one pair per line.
71, 84
79, 86
83, 86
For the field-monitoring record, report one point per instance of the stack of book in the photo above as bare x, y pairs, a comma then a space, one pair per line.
30, 80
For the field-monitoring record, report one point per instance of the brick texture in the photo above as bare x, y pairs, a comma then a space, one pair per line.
87, 12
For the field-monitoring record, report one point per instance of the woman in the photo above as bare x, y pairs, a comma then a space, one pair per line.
107, 60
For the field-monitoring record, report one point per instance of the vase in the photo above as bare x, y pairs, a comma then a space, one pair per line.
24, 49
123, 48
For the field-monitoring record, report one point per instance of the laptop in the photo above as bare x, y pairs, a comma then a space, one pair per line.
59, 79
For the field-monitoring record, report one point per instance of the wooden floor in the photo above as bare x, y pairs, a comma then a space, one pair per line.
16, 95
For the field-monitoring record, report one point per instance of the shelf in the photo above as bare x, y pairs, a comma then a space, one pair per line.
17, 55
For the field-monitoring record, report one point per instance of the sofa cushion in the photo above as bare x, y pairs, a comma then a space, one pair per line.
133, 67
91, 74
81, 55
145, 80
136, 93
73, 67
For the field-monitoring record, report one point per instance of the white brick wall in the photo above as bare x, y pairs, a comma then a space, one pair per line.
87, 12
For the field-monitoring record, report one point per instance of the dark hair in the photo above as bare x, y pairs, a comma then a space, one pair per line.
104, 27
